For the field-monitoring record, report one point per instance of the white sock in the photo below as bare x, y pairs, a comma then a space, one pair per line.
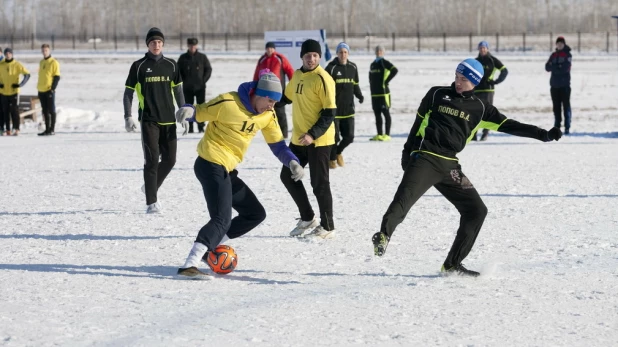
196, 254
224, 239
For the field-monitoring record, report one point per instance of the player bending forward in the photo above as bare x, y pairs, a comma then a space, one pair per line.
233, 120
447, 119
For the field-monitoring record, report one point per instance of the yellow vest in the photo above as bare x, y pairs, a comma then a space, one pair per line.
48, 68
230, 129
310, 93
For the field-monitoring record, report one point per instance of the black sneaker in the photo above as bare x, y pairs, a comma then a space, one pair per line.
380, 241
566, 131
45, 133
193, 273
458, 270
484, 136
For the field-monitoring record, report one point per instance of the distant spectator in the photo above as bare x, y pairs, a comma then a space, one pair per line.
49, 76
10, 69
381, 72
195, 70
278, 64
559, 64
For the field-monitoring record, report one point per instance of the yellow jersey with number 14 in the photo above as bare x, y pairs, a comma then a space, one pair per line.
230, 129
310, 93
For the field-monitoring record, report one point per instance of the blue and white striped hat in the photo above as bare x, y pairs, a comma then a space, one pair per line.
343, 45
472, 69
269, 85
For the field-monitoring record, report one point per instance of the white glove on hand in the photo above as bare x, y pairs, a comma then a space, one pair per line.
129, 125
185, 126
184, 113
297, 171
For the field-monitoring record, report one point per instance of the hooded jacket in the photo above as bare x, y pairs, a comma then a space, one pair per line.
559, 64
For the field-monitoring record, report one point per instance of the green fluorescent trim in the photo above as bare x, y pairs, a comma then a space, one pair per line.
167, 123
434, 154
484, 91
342, 117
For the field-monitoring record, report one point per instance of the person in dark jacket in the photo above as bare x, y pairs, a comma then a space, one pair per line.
195, 71
485, 89
278, 64
559, 64
345, 74
381, 72
446, 120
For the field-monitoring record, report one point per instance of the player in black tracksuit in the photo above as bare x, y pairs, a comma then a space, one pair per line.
485, 89
195, 71
446, 120
346, 79
381, 72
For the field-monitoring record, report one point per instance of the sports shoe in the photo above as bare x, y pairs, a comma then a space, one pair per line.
303, 226
458, 270
154, 208
193, 273
15, 133
386, 138
7, 133
332, 164
566, 131
319, 231
484, 136
340, 161
45, 133
380, 242
376, 138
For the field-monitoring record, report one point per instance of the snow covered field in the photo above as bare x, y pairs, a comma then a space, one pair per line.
81, 264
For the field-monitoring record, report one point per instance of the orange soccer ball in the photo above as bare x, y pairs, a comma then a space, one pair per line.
222, 260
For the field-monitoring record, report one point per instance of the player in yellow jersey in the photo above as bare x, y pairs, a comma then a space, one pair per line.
10, 69
233, 118
312, 94
49, 76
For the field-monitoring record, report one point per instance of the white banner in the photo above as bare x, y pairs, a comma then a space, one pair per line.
289, 43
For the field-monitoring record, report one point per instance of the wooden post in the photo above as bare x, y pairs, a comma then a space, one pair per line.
470, 39
497, 42
444, 42
393, 34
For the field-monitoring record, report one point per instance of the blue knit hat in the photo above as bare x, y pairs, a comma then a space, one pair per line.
472, 69
269, 85
343, 45
483, 44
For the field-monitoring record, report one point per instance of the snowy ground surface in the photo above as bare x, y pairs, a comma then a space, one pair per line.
81, 264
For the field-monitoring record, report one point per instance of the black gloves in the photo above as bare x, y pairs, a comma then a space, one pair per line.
1, 85
15, 85
554, 134
361, 99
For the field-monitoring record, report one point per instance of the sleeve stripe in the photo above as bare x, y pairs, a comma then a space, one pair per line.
220, 101
324, 83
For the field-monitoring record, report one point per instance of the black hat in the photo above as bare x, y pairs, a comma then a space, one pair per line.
270, 44
560, 39
154, 34
8, 50
310, 46
192, 41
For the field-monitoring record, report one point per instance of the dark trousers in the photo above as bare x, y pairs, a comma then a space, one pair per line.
157, 141
195, 97
10, 111
223, 192
48, 103
381, 106
488, 97
425, 171
561, 99
282, 119
344, 135
317, 158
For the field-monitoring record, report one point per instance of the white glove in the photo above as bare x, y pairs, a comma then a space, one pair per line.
129, 124
185, 113
185, 126
297, 171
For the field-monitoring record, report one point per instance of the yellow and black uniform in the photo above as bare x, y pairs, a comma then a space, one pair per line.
232, 124
157, 81
312, 94
485, 89
10, 71
346, 81
445, 122
381, 72
49, 76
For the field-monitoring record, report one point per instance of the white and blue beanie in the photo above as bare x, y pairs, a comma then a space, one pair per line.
483, 44
269, 86
472, 70
343, 45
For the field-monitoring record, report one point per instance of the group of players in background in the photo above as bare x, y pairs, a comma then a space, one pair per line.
322, 127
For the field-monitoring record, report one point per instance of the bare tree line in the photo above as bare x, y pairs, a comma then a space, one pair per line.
133, 17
